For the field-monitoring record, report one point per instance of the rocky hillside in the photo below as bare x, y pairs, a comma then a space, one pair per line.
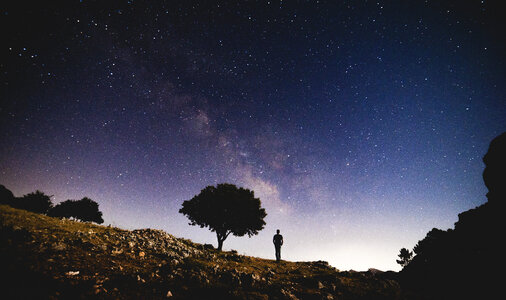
44, 257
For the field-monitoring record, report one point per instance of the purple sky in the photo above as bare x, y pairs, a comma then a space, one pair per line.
360, 125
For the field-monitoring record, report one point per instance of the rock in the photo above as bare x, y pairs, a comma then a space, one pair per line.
270, 274
247, 279
59, 246
216, 268
230, 278
374, 271
72, 273
142, 254
321, 264
288, 294
320, 285
250, 279
169, 294
236, 280
117, 251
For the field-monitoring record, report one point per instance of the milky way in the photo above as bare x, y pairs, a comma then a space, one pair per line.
360, 124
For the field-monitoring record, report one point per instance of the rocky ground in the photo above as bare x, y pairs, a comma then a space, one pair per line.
49, 258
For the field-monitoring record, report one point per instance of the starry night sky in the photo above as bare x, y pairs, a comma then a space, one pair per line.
360, 124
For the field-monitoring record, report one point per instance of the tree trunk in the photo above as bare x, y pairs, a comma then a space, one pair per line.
220, 242
222, 236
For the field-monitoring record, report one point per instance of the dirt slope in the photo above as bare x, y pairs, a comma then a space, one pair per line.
45, 257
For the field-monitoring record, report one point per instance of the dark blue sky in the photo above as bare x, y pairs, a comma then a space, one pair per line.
360, 124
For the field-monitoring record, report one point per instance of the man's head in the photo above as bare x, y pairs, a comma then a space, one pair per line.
277, 231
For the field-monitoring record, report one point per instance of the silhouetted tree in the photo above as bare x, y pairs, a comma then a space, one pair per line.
431, 242
226, 209
6, 196
405, 257
84, 210
37, 202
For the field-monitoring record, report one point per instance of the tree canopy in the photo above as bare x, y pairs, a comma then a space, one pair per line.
226, 209
36, 202
404, 257
84, 210
6, 196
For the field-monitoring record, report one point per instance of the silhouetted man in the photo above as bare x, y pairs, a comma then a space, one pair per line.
278, 241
